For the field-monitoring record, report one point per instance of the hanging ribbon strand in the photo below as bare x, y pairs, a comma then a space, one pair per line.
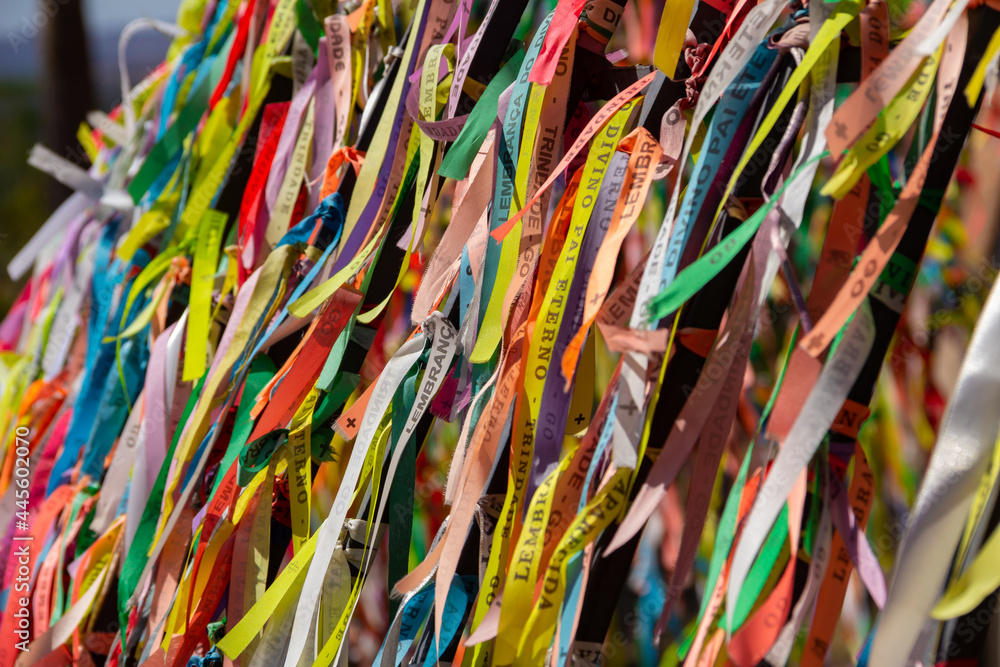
521, 333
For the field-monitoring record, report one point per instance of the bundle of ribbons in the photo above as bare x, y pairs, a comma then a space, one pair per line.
515, 333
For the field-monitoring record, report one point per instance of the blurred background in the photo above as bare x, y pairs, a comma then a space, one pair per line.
58, 60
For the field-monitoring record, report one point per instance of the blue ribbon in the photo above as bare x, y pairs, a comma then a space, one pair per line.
331, 213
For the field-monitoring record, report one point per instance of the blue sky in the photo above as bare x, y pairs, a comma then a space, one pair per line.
101, 14
20, 48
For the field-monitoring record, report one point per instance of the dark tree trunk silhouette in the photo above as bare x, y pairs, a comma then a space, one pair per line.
67, 85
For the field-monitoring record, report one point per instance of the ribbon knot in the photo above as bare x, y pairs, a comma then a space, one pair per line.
180, 270
329, 215
348, 155
395, 53
696, 57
